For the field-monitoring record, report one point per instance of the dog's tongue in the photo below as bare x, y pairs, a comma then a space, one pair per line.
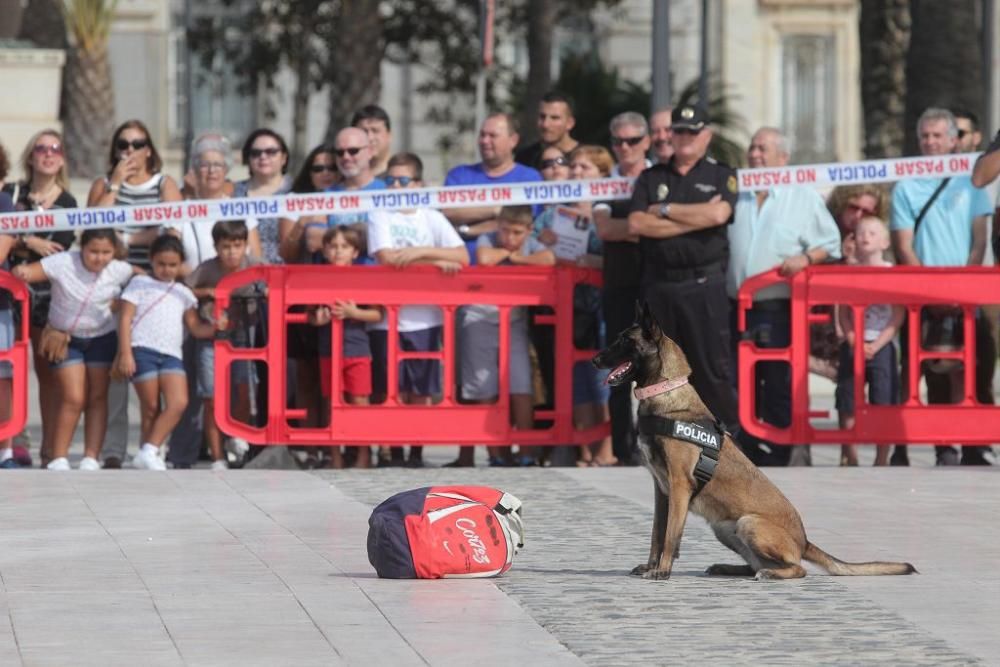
619, 370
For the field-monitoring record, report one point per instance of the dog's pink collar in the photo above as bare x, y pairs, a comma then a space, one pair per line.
659, 388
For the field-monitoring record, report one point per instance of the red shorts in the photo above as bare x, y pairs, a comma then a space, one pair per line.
356, 376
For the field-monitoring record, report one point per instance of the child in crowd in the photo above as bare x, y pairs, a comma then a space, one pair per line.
408, 238
341, 247
85, 286
153, 312
882, 322
511, 245
230, 240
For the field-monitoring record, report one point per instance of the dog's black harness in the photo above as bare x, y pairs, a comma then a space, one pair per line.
707, 434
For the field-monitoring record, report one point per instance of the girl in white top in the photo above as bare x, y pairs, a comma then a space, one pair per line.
85, 285
154, 310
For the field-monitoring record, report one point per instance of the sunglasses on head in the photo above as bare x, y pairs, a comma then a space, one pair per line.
631, 141
339, 152
135, 144
270, 152
47, 149
685, 130
554, 162
401, 180
320, 168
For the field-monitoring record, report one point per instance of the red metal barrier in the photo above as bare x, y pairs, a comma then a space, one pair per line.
968, 421
392, 422
17, 357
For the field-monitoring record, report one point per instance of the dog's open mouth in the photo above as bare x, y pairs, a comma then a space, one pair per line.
619, 374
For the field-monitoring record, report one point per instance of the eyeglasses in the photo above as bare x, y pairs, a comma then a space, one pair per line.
255, 153
212, 166
47, 149
554, 162
631, 141
854, 208
135, 144
685, 130
320, 168
339, 152
401, 180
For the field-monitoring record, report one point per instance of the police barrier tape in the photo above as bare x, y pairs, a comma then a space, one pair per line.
358, 201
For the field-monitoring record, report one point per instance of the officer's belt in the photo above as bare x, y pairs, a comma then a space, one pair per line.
707, 434
693, 273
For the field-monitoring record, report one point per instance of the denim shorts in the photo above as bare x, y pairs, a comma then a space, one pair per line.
97, 352
150, 364
7, 336
241, 371
588, 384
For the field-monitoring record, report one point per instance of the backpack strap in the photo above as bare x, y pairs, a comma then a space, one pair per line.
927, 206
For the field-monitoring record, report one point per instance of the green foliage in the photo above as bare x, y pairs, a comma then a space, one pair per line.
725, 122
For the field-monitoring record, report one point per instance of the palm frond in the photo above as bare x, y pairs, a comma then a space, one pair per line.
89, 21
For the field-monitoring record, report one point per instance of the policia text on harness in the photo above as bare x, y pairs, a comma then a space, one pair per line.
708, 435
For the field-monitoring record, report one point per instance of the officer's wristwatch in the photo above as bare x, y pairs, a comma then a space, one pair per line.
664, 210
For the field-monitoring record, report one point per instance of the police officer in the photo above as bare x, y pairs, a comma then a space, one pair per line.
679, 211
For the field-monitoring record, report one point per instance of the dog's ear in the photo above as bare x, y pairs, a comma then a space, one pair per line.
650, 328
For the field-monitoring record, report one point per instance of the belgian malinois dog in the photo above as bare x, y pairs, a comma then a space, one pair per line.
745, 510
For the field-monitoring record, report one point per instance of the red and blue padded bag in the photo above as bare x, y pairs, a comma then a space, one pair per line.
445, 531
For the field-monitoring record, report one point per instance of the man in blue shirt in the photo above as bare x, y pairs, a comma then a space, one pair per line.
497, 139
948, 231
787, 228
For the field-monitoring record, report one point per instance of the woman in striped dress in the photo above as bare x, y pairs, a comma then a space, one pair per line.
134, 178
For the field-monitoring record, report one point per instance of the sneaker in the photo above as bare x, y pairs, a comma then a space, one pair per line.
947, 457
113, 463
236, 449
221, 464
147, 460
89, 463
900, 456
22, 456
9, 464
60, 464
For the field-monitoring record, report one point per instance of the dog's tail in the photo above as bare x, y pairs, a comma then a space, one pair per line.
815, 555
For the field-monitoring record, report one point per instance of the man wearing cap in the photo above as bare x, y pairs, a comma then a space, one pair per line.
679, 211
788, 228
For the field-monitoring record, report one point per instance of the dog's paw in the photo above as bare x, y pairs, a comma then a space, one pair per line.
656, 575
765, 575
639, 570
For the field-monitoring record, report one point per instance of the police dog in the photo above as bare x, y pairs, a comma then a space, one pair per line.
744, 509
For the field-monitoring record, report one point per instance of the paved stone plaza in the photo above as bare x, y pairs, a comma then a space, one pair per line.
269, 567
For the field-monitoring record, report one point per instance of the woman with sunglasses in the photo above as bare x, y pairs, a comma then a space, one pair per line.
46, 186
134, 178
265, 154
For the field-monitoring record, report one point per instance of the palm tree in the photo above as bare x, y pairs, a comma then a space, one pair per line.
884, 29
88, 97
944, 64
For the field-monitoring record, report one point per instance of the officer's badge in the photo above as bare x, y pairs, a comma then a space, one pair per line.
731, 184
662, 191
687, 113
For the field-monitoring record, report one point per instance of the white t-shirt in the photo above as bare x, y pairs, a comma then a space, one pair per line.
158, 323
76, 290
197, 240
423, 228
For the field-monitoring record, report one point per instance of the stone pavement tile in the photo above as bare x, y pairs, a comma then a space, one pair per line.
585, 530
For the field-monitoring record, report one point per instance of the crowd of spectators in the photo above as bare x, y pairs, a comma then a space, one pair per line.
115, 307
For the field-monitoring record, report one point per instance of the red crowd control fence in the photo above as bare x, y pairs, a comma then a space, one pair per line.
967, 421
449, 421
14, 412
